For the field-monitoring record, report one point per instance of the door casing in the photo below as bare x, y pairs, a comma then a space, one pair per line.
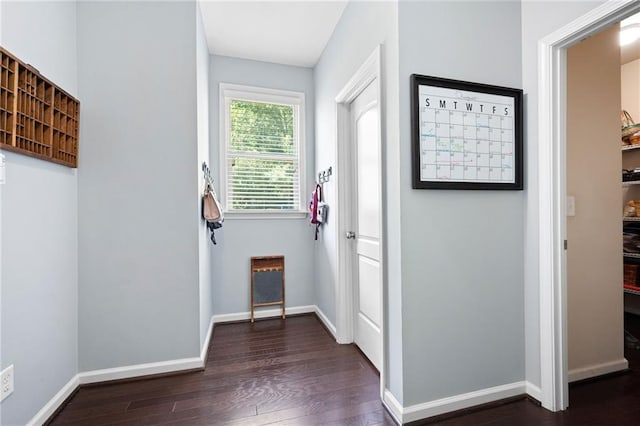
552, 227
369, 71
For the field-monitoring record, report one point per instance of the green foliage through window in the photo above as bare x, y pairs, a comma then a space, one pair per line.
262, 156
260, 127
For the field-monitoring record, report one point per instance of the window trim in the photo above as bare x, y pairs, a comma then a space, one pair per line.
230, 91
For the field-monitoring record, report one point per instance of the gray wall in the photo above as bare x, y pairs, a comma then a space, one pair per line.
462, 251
137, 196
595, 311
537, 22
39, 270
239, 239
363, 26
204, 244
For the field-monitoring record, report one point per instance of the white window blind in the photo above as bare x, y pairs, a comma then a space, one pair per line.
262, 155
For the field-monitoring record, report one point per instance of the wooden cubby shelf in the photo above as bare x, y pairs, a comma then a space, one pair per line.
37, 118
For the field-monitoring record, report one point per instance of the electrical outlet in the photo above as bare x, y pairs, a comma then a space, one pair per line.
6, 381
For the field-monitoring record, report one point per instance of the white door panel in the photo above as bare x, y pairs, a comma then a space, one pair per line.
368, 185
369, 337
368, 290
368, 248
366, 205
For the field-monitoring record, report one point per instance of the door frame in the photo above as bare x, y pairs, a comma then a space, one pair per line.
552, 223
369, 71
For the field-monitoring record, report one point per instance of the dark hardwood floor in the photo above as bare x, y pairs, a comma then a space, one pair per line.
292, 372
277, 372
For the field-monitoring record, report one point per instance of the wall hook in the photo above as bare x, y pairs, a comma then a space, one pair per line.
324, 175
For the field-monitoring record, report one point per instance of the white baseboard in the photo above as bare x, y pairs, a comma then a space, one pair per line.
452, 403
47, 411
325, 321
263, 313
534, 391
392, 404
140, 370
597, 370
205, 348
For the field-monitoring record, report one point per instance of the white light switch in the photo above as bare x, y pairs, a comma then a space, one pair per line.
571, 205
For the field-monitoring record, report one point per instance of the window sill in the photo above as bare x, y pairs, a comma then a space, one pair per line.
264, 215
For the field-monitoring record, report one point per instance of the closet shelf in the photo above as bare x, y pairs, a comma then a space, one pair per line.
630, 147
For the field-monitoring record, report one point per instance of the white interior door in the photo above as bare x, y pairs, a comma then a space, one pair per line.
366, 223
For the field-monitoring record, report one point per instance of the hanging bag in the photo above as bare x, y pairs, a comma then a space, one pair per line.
211, 211
318, 208
314, 205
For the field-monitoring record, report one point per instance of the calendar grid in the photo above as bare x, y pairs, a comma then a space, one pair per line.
465, 145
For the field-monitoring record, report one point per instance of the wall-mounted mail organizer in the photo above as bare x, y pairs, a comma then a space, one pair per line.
324, 175
37, 118
267, 282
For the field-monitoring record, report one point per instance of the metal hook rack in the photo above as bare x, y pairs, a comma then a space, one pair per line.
207, 173
324, 175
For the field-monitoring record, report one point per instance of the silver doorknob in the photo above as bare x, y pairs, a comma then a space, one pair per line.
351, 235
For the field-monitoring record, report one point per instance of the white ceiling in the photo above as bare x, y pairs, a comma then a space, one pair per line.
283, 32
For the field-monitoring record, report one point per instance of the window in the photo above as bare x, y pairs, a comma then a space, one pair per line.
262, 151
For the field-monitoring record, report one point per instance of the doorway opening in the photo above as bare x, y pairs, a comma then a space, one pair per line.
552, 157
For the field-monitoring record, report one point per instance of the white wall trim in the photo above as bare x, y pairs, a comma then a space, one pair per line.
140, 370
533, 391
552, 193
459, 402
275, 313
294, 215
146, 369
207, 341
597, 370
344, 294
325, 320
392, 405
452, 403
367, 72
50, 407
263, 313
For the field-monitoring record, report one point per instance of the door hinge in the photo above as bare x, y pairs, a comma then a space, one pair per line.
565, 244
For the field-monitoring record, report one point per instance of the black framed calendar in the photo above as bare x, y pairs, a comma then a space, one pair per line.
465, 135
